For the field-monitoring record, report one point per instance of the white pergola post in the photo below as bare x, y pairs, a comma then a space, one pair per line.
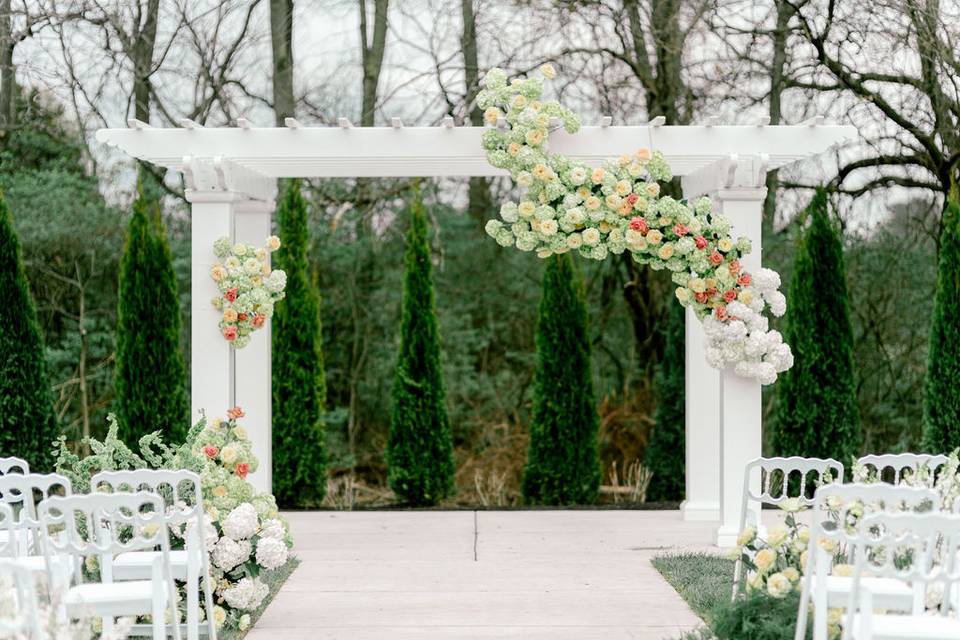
702, 428
226, 201
724, 410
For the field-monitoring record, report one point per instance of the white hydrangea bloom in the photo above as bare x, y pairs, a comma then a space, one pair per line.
228, 553
242, 522
247, 594
271, 553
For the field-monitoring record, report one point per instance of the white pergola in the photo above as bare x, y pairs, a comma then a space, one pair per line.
231, 182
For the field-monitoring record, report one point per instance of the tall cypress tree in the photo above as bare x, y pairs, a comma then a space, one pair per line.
817, 411
665, 452
941, 401
150, 372
420, 447
562, 463
299, 384
28, 426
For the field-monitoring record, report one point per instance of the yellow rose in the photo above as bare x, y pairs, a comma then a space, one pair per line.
240, 433
791, 505
536, 105
711, 283
218, 273
491, 115
725, 244
749, 533
273, 243
612, 201
625, 208
791, 574
526, 208
666, 251
623, 160
535, 136
828, 545
683, 295
584, 192
653, 189
548, 71
746, 297
699, 286
778, 585
540, 171
519, 101
843, 570
597, 175
514, 149
765, 559
219, 615
228, 454
635, 169
230, 315
777, 535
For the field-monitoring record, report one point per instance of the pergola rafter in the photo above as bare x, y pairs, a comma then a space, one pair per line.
231, 173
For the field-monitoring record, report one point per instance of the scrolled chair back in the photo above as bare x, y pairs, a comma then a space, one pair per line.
893, 467
180, 489
103, 524
13, 464
22, 493
786, 478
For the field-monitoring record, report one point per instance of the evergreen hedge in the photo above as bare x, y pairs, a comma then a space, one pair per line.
150, 372
420, 447
562, 464
817, 411
665, 452
299, 383
28, 426
941, 401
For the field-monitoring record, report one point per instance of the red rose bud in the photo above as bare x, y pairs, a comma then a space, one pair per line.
242, 469
241, 317
231, 294
701, 242
744, 280
680, 230
230, 333
729, 295
235, 412
210, 451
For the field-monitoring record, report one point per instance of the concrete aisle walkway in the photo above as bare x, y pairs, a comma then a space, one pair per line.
560, 575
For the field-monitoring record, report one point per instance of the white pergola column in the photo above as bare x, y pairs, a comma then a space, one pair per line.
724, 410
702, 428
741, 404
253, 363
227, 200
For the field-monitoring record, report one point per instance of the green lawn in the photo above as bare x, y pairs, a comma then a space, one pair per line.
702, 579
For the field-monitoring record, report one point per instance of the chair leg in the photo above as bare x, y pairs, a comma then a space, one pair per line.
208, 604
159, 618
107, 624
193, 602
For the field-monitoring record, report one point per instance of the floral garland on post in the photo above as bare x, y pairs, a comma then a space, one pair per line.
248, 288
617, 207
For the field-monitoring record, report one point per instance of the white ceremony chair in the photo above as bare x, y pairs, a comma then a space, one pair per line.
20, 580
900, 462
776, 474
13, 465
20, 492
830, 591
905, 547
183, 498
99, 524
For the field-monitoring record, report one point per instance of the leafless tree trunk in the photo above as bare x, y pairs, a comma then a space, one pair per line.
7, 71
777, 87
372, 50
144, 43
479, 203
281, 37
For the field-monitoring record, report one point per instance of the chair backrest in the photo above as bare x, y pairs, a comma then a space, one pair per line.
13, 465
180, 489
8, 532
890, 467
22, 493
777, 474
917, 548
100, 523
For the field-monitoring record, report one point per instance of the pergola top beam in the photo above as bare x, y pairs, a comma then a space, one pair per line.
347, 151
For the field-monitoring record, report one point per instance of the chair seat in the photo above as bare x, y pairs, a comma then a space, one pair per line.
888, 593
137, 565
925, 627
112, 599
37, 564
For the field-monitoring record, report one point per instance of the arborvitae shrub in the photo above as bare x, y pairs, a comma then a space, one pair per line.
941, 401
666, 449
817, 399
420, 447
299, 385
150, 374
28, 426
562, 463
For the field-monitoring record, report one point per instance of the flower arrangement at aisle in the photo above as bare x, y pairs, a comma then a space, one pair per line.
248, 288
245, 535
598, 211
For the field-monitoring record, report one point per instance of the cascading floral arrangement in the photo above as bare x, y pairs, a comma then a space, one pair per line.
569, 205
248, 288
